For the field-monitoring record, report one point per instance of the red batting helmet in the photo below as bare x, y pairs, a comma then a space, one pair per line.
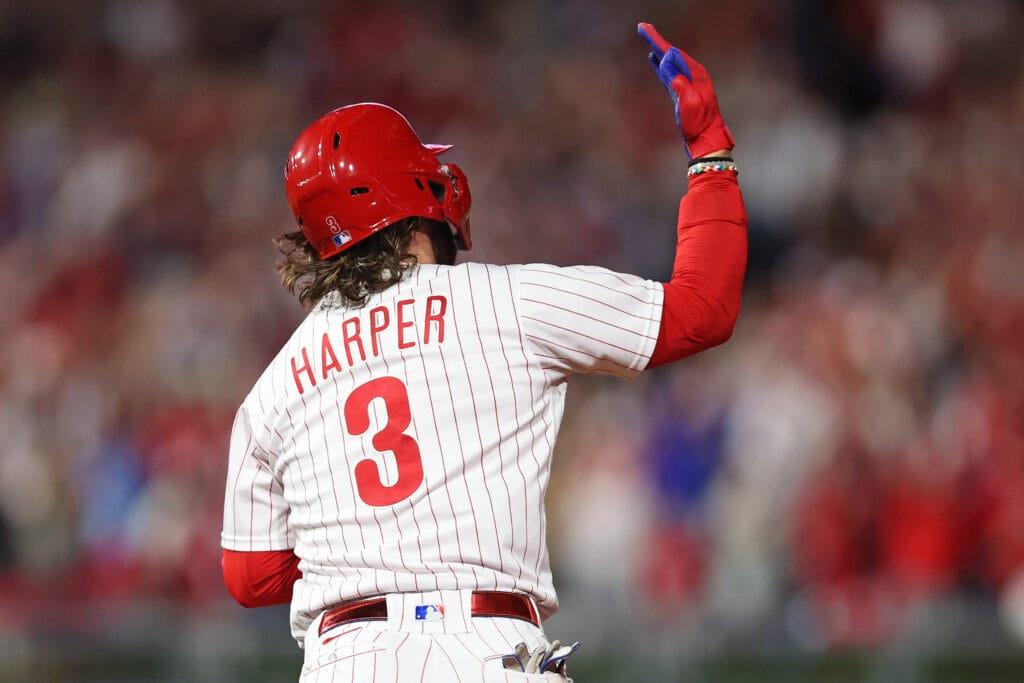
361, 168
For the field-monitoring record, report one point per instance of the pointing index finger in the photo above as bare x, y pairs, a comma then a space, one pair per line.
653, 38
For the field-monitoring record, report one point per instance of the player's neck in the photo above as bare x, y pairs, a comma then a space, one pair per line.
422, 248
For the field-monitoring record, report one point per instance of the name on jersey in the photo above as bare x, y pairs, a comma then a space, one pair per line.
396, 323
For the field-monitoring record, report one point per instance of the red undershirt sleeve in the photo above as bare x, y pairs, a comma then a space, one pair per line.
260, 578
702, 300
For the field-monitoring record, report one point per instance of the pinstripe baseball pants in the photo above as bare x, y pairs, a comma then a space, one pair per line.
421, 643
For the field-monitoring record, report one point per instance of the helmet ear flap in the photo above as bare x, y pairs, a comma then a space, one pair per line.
457, 203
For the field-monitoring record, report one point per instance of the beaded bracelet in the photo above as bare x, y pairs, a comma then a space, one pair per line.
715, 165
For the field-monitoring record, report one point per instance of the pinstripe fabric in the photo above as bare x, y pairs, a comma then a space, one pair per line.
480, 354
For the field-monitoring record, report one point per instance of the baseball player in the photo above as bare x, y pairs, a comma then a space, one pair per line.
387, 471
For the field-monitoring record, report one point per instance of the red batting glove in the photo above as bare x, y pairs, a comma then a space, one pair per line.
689, 85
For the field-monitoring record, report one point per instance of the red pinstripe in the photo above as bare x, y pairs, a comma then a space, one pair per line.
444, 475
590, 317
430, 503
316, 477
527, 351
598, 270
334, 489
440, 450
397, 648
273, 384
330, 470
252, 511
272, 479
334, 662
548, 323
375, 656
591, 299
455, 669
469, 650
351, 491
497, 427
295, 445
458, 436
298, 461
398, 526
268, 451
373, 511
476, 420
568, 349
429, 499
426, 658
558, 273
515, 412
234, 487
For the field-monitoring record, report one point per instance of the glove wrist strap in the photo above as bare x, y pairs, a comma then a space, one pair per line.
711, 140
701, 160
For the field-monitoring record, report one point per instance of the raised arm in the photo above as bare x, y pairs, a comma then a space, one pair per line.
702, 299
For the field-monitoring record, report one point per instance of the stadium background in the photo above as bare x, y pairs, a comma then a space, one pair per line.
836, 495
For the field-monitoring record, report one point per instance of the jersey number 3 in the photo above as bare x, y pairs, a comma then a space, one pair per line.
391, 437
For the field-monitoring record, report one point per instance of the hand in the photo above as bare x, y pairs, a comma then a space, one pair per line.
690, 87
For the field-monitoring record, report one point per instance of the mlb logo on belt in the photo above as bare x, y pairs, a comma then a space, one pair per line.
429, 612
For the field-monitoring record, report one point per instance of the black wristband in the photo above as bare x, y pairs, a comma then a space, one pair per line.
701, 160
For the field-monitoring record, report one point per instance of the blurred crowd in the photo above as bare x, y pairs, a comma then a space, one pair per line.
853, 457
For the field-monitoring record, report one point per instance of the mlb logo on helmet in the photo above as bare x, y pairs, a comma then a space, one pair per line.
429, 612
341, 238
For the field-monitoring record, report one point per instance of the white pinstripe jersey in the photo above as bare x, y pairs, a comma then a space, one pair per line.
406, 445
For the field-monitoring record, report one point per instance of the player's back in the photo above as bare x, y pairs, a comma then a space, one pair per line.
413, 440
405, 446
